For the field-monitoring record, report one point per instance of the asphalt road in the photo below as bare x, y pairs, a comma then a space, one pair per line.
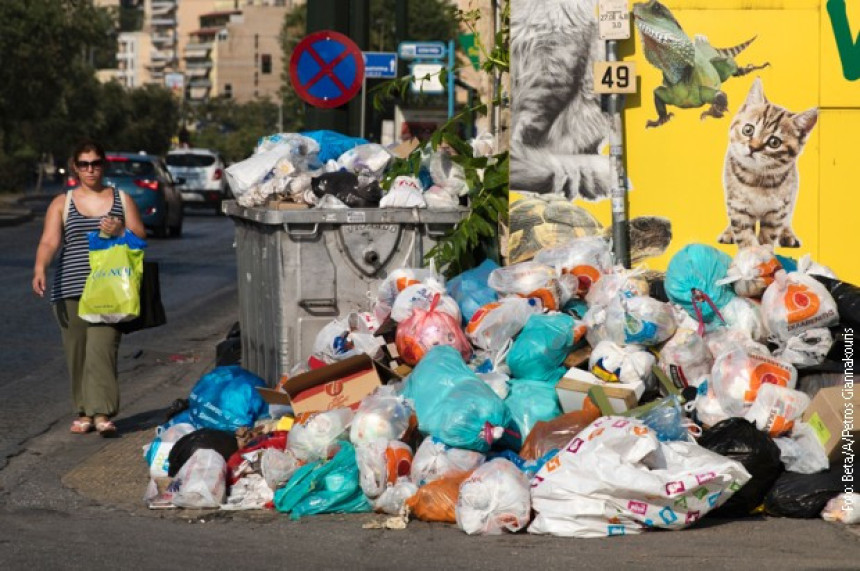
34, 386
75, 502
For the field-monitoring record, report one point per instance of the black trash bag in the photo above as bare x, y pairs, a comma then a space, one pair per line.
346, 187
804, 495
740, 440
847, 298
177, 406
220, 441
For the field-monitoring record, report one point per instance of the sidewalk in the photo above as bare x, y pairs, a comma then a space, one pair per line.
13, 211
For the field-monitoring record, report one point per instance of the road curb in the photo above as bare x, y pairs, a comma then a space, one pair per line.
14, 216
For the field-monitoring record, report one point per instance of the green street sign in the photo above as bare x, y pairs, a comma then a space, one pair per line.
467, 43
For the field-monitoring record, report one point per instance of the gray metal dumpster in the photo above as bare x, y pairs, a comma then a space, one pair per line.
299, 269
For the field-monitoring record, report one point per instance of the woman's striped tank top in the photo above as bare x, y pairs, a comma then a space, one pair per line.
74, 264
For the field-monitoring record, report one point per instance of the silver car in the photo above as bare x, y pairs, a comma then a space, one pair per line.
203, 171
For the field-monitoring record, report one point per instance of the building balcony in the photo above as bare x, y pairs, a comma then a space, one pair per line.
163, 22
198, 64
161, 39
199, 82
162, 4
163, 55
124, 56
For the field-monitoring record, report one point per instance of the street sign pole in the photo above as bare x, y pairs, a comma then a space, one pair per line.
363, 105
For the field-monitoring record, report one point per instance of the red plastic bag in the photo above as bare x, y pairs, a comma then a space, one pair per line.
426, 329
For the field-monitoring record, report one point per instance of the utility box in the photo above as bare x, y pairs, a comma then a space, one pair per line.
300, 269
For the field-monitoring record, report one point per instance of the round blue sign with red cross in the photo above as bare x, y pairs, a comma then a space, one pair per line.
326, 69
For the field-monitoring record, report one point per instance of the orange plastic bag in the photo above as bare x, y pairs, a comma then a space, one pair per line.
556, 433
437, 500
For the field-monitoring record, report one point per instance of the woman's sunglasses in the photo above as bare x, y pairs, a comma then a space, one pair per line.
85, 165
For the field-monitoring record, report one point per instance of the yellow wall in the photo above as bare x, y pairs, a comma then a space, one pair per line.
676, 169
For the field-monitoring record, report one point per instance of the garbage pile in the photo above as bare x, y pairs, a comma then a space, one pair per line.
325, 169
563, 395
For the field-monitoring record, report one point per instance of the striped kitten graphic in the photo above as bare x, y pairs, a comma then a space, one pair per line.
760, 175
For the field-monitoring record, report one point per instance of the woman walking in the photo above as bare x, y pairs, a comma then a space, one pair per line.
90, 348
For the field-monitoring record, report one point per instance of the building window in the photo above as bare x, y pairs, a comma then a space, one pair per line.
266, 64
228, 90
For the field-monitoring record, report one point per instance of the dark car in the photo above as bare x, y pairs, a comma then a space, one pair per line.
147, 181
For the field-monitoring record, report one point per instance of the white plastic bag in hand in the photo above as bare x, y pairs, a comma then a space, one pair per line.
421, 296
494, 324
616, 478
808, 349
738, 375
434, 460
316, 438
202, 481
685, 358
494, 498
796, 302
776, 408
380, 416
801, 451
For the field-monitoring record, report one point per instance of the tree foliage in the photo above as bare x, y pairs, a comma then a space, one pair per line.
234, 128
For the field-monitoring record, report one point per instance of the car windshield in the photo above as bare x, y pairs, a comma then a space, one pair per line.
190, 160
128, 167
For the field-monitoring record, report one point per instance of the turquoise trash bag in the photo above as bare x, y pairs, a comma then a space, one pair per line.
699, 267
226, 398
454, 405
330, 487
470, 289
541, 348
530, 402
333, 144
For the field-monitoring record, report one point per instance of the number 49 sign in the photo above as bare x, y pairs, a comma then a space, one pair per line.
614, 77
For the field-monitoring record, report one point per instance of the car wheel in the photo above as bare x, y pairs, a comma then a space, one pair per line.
160, 231
176, 231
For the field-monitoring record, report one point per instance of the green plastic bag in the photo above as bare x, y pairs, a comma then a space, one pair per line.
112, 290
330, 487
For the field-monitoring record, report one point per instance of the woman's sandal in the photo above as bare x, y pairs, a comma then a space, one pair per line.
106, 428
81, 425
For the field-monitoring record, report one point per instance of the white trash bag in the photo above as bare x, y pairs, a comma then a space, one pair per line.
382, 415
434, 460
202, 481
752, 270
745, 315
278, 466
738, 375
158, 451
587, 259
639, 321
531, 279
808, 349
495, 323
796, 302
420, 296
616, 478
775, 409
613, 363
685, 358
801, 451
393, 499
405, 192
317, 438
844, 508
396, 282
494, 498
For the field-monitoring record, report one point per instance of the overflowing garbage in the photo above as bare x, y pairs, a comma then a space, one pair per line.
560, 395
325, 169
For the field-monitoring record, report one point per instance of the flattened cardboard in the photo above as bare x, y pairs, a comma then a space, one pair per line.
573, 388
342, 384
826, 415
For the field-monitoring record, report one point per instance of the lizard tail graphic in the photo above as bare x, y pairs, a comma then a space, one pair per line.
733, 51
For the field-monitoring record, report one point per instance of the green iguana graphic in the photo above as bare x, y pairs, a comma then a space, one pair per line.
693, 71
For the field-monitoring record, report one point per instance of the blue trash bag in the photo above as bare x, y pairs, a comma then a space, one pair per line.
441, 369
698, 266
469, 416
330, 487
333, 144
542, 347
532, 401
453, 404
470, 289
183, 417
788, 264
226, 399
667, 420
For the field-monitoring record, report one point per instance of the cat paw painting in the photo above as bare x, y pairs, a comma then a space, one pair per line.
693, 70
760, 175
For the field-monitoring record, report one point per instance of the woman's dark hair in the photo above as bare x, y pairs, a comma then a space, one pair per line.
88, 146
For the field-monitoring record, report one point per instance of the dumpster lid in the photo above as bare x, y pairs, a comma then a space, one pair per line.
346, 215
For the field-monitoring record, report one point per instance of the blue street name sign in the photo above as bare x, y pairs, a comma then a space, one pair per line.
380, 65
422, 50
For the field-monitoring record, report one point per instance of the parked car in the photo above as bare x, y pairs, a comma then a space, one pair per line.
203, 171
146, 179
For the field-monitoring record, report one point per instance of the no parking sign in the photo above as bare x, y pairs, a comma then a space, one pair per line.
326, 69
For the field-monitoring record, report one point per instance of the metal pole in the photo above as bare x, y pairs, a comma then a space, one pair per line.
363, 105
620, 222
451, 85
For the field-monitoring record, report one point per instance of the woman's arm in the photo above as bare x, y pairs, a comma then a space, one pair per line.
49, 243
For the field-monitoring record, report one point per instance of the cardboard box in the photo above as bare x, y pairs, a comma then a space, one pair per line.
826, 414
334, 386
573, 389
